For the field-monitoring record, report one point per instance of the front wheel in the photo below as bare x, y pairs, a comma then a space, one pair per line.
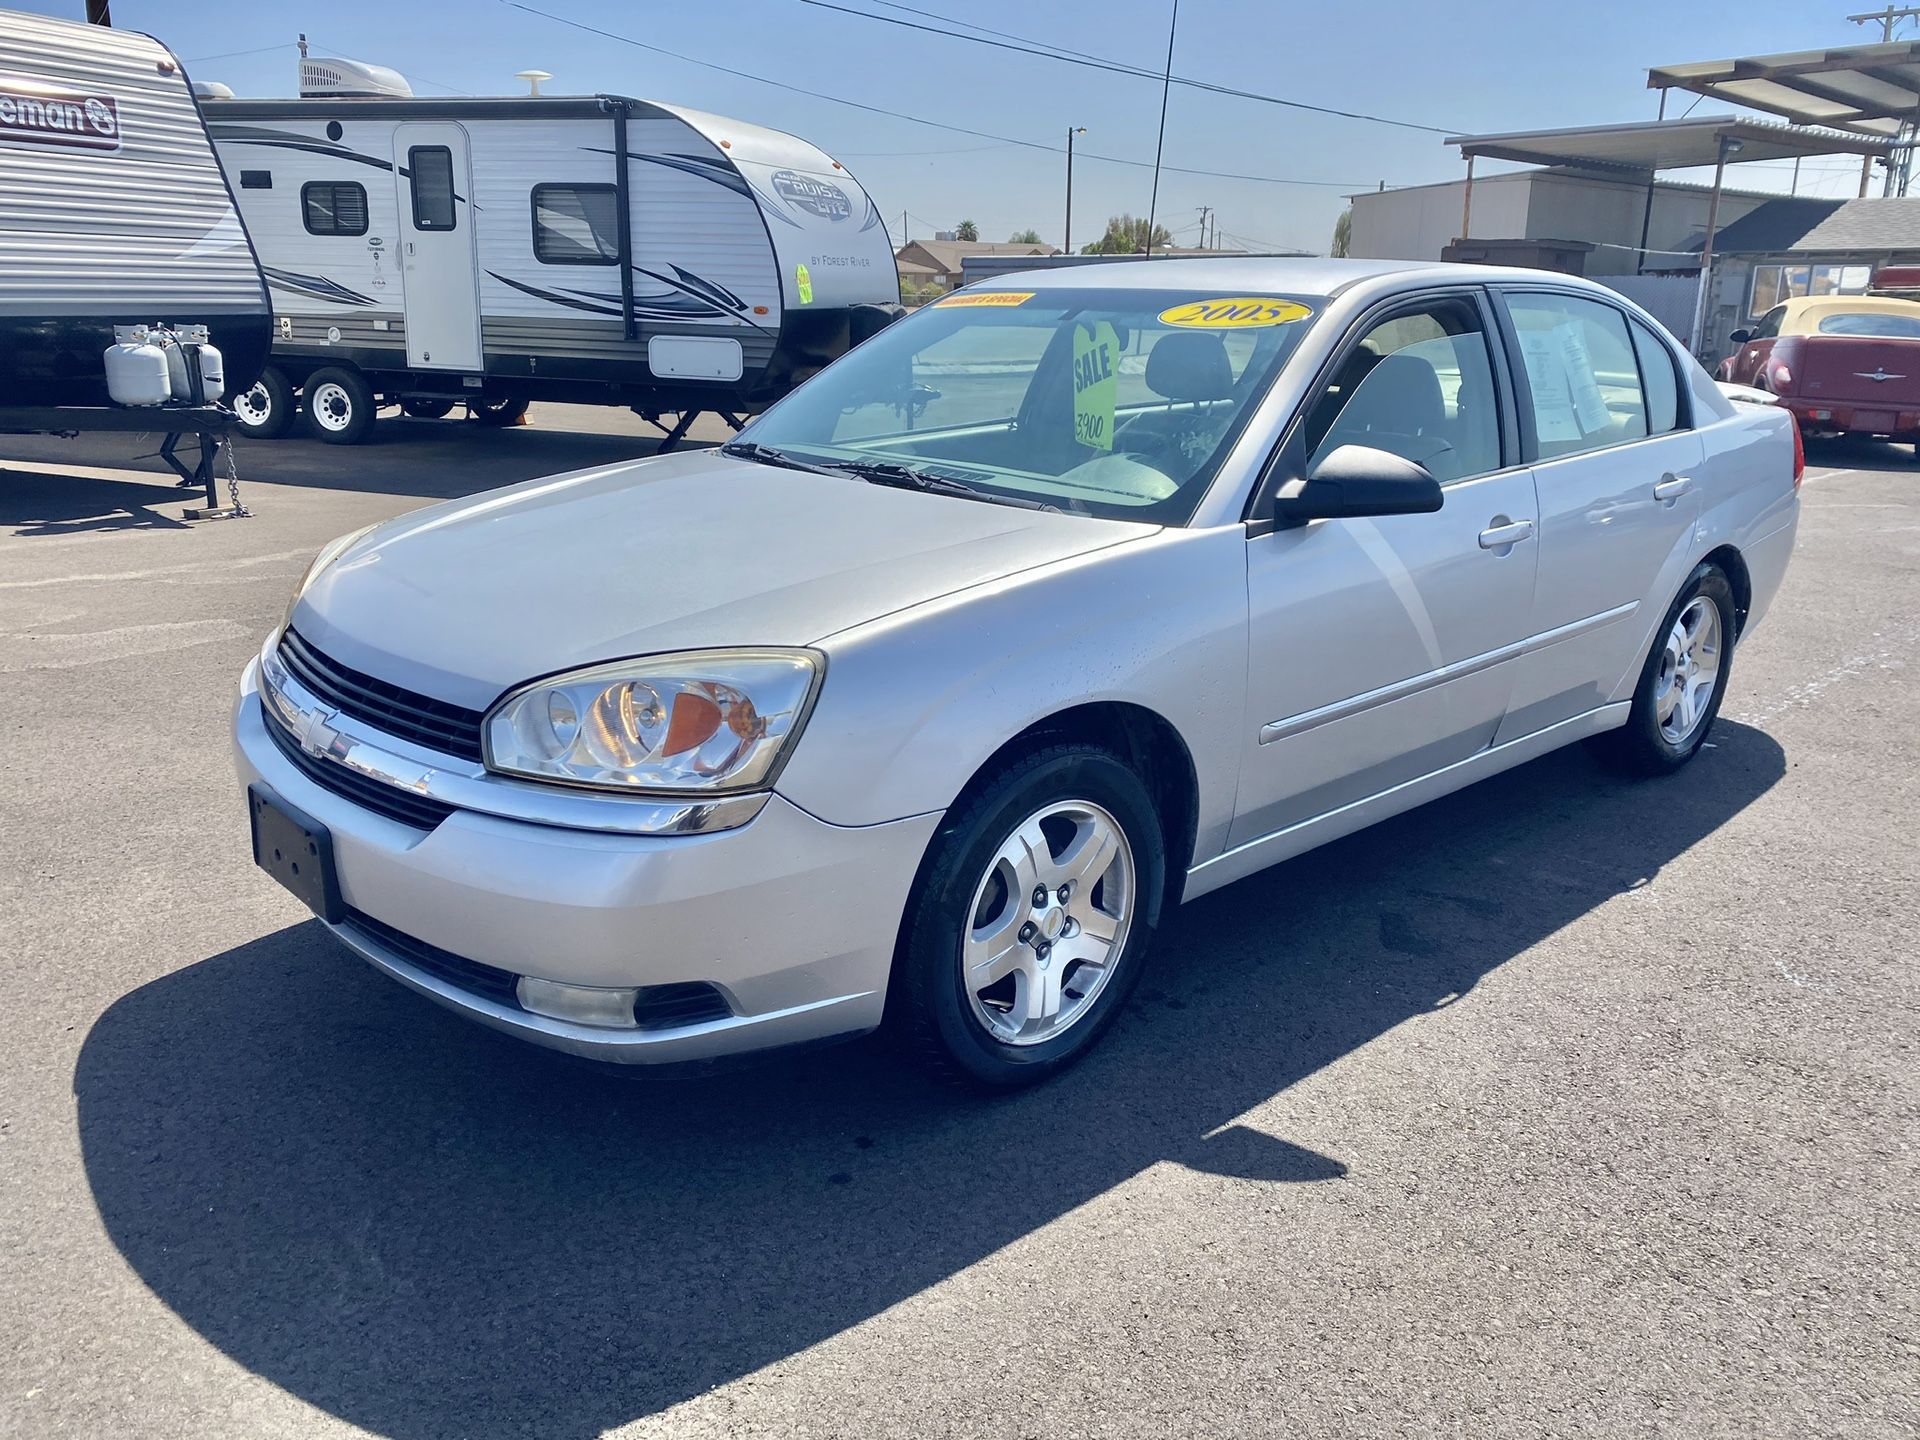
340, 405
1029, 923
266, 410
498, 412
1681, 684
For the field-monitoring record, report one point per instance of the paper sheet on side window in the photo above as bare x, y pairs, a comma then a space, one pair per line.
1567, 403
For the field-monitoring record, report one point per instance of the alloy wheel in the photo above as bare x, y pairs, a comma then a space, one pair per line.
1689, 670
1048, 923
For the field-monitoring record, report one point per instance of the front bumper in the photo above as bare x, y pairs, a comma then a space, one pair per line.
790, 919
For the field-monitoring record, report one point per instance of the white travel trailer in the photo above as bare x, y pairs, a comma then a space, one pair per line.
489, 252
113, 212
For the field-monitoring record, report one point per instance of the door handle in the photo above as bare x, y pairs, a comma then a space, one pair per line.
1672, 487
1497, 537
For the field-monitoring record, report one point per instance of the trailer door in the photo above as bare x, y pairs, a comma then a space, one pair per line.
437, 263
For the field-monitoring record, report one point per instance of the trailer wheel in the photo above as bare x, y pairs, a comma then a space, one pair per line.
340, 405
497, 412
422, 407
266, 411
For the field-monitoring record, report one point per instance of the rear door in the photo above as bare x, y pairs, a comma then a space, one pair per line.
1604, 416
1381, 649
432, 169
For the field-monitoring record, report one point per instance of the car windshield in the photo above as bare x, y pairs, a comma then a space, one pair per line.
1116, 403
1870, 323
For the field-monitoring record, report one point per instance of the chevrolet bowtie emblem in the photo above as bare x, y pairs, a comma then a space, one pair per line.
316, 736
1879, 373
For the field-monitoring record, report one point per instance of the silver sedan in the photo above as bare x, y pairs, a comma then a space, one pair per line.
1053, 605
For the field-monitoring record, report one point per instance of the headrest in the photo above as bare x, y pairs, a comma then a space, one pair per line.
1189, 365
1402, 394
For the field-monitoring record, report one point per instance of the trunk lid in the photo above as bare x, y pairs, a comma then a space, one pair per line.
1862, 370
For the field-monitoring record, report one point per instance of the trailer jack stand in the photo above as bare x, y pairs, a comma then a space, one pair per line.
203, 476
682, 423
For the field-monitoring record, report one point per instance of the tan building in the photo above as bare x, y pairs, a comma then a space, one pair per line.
940, 260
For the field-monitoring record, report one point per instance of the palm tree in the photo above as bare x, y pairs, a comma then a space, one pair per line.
1342, 235
966, 230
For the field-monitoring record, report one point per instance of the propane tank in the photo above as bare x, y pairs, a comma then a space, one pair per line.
136, 368
212, 371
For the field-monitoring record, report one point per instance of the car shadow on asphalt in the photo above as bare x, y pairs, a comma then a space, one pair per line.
427, 1229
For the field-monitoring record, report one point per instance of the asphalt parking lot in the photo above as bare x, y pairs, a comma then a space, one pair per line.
1563, 1106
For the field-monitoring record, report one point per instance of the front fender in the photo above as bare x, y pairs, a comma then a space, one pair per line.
915, 703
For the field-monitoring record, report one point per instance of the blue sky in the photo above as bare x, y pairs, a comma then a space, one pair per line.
1468, 65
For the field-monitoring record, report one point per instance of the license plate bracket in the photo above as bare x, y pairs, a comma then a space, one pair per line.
297, 850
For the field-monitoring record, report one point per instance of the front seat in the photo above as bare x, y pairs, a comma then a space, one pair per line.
1399, 407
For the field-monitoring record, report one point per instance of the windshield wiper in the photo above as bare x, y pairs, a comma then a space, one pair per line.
905, 477
767, 455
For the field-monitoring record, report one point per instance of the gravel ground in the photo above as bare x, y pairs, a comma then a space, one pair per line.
1563, 1106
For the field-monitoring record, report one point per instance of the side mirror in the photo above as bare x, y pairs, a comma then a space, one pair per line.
1740, 337
1357, 480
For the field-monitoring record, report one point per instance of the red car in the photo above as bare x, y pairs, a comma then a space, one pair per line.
1843, 364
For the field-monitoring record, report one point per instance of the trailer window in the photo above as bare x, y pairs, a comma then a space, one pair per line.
431, 168
334, 207
576, 224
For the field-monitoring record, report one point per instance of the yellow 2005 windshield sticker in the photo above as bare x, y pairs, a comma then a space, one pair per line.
1096, 382
986, 297
1236, 312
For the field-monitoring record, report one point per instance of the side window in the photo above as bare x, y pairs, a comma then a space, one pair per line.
1661, 381
1770, 323
1581, 371
334, 207
431, 169
576, 224
1419, 385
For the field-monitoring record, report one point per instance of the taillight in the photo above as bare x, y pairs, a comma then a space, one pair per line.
1782, 377
1799, 454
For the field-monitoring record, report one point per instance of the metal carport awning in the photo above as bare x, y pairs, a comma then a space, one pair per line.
1647, 146
1868, 89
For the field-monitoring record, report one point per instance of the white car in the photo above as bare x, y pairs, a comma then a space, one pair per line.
1056, 604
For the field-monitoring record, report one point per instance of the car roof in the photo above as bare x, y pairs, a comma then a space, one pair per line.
1806, 311
1251, 274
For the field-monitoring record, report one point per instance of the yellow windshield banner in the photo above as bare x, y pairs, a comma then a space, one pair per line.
1096, 383
986, 297
1238, 312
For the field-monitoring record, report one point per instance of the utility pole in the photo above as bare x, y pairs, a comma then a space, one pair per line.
1160, 145
1205, 211
1889, 19
1066, 228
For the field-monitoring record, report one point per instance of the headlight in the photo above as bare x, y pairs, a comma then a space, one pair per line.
329, 552
705, 721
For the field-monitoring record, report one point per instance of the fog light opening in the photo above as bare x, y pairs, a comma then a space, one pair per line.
578, 1004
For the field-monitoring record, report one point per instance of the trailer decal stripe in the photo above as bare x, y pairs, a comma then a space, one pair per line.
316, 287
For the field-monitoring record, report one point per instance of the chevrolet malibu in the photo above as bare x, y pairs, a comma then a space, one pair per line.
1054, 605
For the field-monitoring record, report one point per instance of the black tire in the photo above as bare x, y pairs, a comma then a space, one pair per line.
420, 407
930, 1007
266, 410
501, 413
340, 405
1642, 746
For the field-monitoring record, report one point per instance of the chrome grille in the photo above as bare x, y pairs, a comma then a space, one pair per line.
393, 709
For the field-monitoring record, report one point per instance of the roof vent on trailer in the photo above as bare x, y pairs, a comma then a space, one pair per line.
351, 80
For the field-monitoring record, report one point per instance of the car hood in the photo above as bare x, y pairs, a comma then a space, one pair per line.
462, 601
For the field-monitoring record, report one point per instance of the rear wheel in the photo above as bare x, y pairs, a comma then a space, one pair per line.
498, 412
1681, 684
340, 405
1028, 927
423, 407
266, 410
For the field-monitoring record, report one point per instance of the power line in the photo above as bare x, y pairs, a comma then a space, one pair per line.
1120, 68
916, 119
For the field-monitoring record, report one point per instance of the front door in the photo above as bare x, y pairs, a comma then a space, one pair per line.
1616, 476
437, 262
1381, 649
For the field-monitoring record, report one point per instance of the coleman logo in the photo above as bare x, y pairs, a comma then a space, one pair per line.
33, 114
816, 197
